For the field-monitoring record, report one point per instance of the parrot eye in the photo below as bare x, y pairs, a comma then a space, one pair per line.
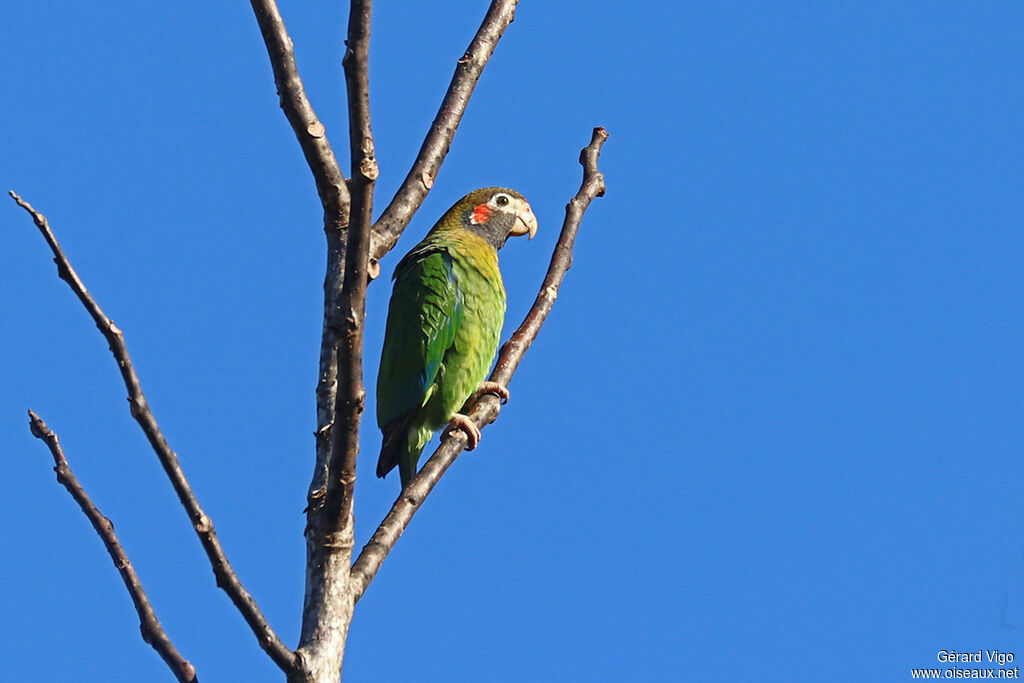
502, 200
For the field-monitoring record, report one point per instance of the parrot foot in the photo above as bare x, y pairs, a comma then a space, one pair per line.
460, 421
489, 387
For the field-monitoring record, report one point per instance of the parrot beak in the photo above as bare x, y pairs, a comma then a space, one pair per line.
526, 223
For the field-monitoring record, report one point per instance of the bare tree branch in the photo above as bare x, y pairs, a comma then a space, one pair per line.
354, 245
413, 191
226, 577
336, 201
486, 409
327, 610
152, 631
330, 182
351, 394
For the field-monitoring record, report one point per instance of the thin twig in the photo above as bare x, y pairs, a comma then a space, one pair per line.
152, 631
488, 406
417, 184
226, 577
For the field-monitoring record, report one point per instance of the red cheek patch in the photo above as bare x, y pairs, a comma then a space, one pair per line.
480, 214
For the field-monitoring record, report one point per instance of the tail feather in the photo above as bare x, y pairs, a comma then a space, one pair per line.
404, 439
393, 445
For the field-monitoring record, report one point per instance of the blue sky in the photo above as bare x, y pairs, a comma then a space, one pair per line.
771, 431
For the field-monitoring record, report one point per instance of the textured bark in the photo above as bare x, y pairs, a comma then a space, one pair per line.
327, 611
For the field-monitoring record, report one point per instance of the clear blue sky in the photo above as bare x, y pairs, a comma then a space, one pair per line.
772, 430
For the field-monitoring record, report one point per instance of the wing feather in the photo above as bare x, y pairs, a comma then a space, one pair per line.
423, 317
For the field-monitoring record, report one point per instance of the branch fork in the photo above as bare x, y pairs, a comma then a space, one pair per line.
355, 244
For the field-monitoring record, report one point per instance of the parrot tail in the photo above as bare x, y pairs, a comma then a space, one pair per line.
404, 440
394, 444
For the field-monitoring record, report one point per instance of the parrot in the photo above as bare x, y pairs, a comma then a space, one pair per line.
444, 321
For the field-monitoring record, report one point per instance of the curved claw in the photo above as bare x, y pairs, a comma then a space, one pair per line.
460, 421
489, 387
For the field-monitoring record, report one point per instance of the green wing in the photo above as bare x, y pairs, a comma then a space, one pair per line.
423, 319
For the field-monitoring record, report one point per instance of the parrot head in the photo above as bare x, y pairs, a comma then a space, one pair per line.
494, 213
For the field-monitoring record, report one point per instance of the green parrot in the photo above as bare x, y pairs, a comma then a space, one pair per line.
444, 321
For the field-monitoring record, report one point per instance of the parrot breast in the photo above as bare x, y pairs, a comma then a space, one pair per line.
475, 267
